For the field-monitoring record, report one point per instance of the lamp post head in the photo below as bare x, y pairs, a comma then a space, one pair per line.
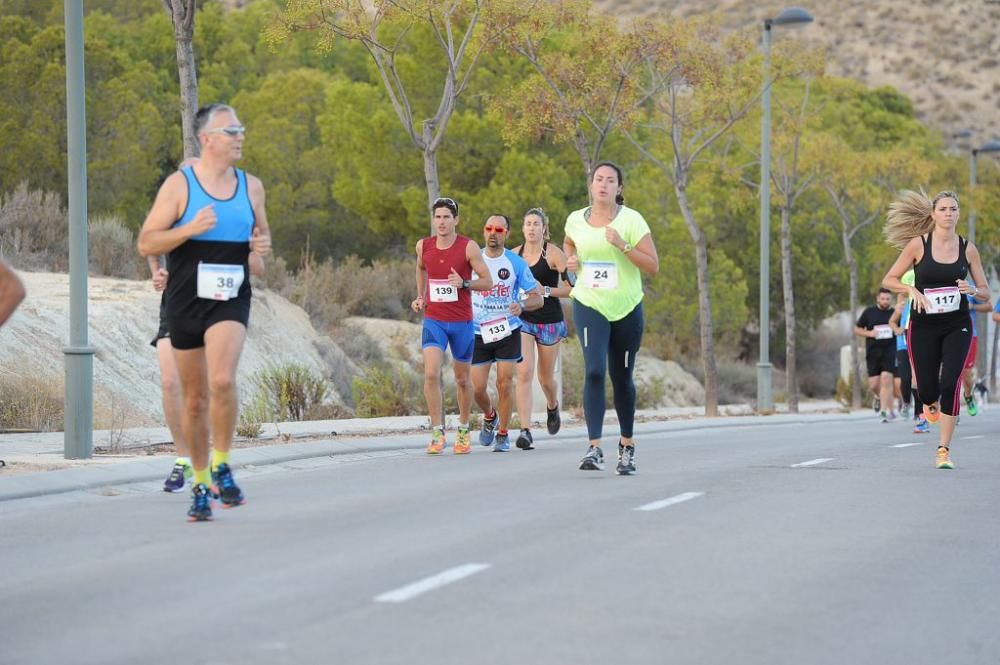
992, 146
790, 16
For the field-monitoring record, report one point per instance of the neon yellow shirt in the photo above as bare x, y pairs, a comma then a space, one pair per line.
607, 281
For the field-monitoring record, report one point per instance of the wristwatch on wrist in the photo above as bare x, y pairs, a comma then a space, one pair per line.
466, 283
627, 248
548, 291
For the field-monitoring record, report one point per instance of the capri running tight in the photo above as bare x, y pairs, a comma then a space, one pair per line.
938, 354
608, 347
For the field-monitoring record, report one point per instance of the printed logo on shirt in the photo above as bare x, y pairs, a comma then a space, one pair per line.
503, 273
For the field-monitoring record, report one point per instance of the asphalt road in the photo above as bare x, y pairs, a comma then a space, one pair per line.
808, 544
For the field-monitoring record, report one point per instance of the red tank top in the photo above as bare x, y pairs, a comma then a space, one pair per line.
438, 263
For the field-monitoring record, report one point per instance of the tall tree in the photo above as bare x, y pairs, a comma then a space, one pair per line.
584, 87
860, 186
695, 104
461, 29
182, 16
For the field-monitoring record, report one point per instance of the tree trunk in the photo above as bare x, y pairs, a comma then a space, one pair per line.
182, 16
852, 269
704, 304
791, 378
431, 177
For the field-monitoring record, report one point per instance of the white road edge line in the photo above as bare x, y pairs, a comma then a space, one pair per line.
812, 462
975, 436
405, 593
672, 501
907, 445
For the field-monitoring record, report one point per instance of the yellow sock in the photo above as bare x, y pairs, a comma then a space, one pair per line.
219, 457
203, 476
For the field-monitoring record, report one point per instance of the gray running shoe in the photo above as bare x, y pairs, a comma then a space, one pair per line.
593, 460
626, 460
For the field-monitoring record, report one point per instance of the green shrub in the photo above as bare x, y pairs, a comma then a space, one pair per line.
254, 415
290, 390
34, 230
387, 389
112, 249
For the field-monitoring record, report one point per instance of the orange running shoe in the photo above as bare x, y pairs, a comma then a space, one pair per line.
932, 413
463, 444
436, 446
944, 458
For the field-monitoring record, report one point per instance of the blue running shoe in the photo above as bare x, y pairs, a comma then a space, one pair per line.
488, 431
922, 427
179, 475
225, 487
201, 504
503, 443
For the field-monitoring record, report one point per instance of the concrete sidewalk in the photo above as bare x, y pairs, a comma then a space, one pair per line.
36, 466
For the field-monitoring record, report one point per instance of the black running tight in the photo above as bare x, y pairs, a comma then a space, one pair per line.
938, 350
608, 347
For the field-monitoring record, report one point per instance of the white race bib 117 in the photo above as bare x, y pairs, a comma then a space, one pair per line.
943, 300
441, 290
883, 332
495, 330
600, 275
219, 281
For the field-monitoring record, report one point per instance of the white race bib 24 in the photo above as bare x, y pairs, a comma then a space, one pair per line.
219, 281
600, 275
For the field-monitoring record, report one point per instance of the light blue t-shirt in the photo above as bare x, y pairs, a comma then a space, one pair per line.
511, 275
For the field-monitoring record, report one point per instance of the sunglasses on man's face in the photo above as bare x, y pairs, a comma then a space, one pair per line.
494, 229
235, 130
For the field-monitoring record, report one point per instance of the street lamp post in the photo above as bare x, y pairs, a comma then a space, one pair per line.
981, 318
765, 396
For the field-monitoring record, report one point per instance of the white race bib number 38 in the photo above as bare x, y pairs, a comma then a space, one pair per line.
600, 275
943, 300
495, 330
883, 332
441, 290
219, 281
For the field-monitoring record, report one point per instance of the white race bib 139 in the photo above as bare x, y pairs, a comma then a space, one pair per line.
600, 275
219, 281
495, 330
441, 290
943, 300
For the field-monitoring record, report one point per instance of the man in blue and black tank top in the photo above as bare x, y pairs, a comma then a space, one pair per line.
208, 218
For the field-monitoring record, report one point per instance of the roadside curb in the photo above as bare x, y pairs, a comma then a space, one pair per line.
45, 483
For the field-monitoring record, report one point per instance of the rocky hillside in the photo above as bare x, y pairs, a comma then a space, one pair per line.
123, 319
943, 54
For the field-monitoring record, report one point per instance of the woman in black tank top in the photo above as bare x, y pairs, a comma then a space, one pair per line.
947, 268
541, 329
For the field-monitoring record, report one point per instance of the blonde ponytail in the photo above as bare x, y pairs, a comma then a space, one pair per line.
909, 216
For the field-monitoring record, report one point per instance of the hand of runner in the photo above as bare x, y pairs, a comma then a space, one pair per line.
612, 237
418, 304
160, 279
260, 243
455, 279
965, 287
920, 302
515, 308
572, 263
204, 221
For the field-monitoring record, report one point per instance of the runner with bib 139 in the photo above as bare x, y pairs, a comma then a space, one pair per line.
608, 245
445, 262
940, 330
